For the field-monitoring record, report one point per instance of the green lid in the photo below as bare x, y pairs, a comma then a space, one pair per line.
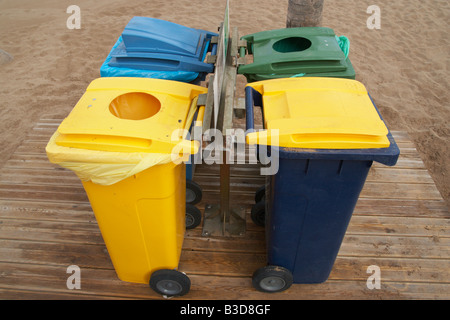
284, 53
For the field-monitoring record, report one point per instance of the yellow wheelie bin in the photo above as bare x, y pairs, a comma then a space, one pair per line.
126, 140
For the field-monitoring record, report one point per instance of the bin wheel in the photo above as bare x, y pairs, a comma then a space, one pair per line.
260, 194
258, 213
170, 283
272, 279
193, 192
193, 216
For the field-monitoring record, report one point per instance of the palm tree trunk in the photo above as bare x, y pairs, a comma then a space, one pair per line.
304, 13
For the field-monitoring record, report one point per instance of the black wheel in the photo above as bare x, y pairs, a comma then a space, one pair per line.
258, 213
193, 216
193, 192
272, 279
170, 282
260, 194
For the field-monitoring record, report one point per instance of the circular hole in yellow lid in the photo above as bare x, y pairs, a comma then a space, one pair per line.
135, 106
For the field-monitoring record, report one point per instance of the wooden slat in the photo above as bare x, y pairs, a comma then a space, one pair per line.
434, 247
43, 192
394, 225
51, 231
46, 211
51, 253
382, 190
405, 208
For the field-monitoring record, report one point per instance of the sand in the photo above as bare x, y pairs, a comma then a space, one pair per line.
405, 64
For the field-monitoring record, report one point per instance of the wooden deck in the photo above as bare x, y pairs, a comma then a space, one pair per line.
401, 224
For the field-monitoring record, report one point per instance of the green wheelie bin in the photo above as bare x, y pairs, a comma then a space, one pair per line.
294, 52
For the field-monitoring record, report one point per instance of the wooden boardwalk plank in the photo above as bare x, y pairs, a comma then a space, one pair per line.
101, 284
400, 224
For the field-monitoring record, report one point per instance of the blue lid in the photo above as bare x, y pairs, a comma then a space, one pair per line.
154, 44
143, 34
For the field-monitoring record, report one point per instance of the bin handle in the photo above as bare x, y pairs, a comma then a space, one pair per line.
200, 114
252, 98
196, 103
244, 48
214, 49
242, 52
200, 103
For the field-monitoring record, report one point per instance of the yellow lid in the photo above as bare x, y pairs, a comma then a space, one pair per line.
319, 113
131, 115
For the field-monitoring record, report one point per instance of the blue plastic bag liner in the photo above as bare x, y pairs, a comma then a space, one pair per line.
159, 45
107, 71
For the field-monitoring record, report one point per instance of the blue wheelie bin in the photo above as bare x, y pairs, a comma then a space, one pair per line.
329, 132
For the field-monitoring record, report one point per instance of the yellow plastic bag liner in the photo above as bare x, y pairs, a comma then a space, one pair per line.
319, 113
122, 126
